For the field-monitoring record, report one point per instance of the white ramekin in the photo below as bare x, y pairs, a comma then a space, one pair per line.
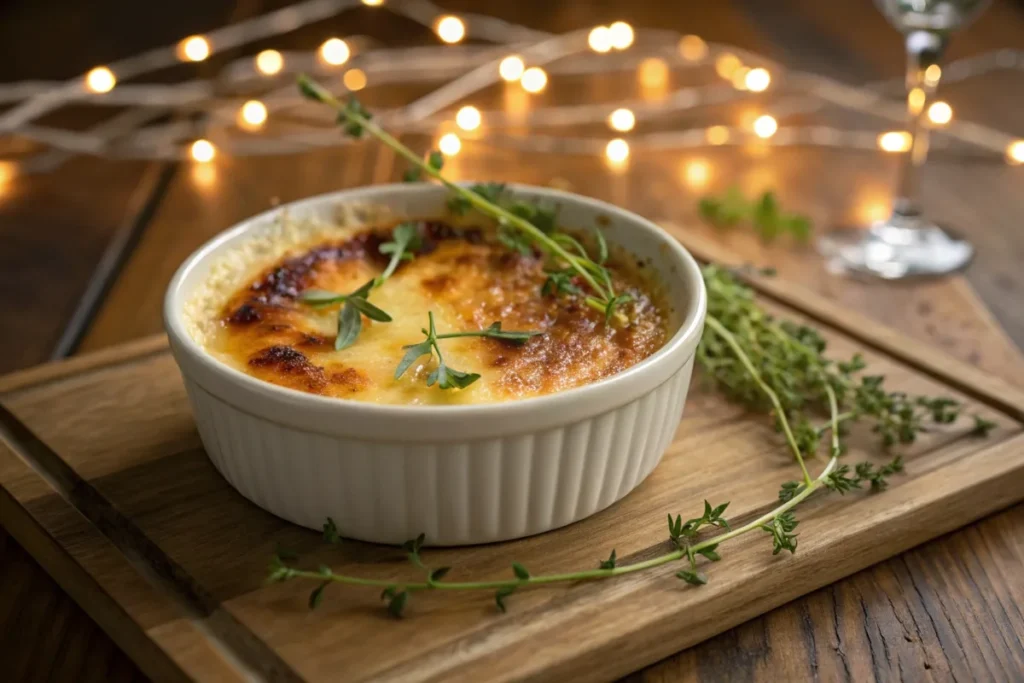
459, 474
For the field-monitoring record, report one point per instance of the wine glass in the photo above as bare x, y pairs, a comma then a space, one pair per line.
907, 244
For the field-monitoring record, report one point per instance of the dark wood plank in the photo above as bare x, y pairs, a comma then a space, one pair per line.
941, 315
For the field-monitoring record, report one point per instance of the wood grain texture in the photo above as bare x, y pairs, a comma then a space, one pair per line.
981, 198
151, 493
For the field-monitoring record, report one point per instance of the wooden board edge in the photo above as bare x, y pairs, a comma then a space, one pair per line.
534, 654
949, 370
59, 369
87, 593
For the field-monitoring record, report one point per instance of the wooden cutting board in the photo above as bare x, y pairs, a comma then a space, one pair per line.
105, 482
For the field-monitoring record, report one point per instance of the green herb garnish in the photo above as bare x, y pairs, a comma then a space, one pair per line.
763, 213
774, 367
521, 225
444, 376
350, 315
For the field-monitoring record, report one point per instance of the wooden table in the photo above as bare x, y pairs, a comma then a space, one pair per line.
948, 610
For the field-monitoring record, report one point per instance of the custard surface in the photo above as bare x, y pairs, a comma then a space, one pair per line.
469, 281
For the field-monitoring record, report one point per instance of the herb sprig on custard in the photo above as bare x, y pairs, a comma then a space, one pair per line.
518, 224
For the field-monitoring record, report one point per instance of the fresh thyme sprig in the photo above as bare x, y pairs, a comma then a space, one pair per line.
350, 316
355, 120
405, 239
763, 214
443, 375
767, 365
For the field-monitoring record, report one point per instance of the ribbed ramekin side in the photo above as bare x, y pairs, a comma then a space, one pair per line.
457, 492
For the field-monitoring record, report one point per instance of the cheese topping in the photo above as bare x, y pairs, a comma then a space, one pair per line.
466, 278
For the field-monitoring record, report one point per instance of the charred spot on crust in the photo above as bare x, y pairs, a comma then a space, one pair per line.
284, 360
438, 283
350, 379
244, 314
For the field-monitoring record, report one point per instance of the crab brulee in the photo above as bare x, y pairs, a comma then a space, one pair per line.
426, 312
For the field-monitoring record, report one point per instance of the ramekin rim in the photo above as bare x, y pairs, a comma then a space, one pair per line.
688, 333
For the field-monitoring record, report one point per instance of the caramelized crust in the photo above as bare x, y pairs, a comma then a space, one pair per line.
469, 281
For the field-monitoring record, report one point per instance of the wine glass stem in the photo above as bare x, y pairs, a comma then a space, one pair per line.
924, 49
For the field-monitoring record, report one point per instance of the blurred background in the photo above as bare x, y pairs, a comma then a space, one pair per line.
88, 243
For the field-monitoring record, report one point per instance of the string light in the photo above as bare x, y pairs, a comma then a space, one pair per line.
757, 80
511, 68
335, 52
269, 62
653, 72
354, 79
739, 77
253, 114
8, 170
696, 173
600, 39
468, 118
940, 113
617, 151
622, 120
692, 48
534, 79
915, 100
449, 144
765, 126
717, 135
1015, 152
726, 63
194, 49
204, 175
621, 35
101, 79
894, 141
203, 151
450, 29
932, 74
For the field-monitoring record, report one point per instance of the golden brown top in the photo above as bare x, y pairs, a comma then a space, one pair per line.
468, 281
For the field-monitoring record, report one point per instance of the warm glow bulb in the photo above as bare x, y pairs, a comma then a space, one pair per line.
765, 126
468, 118
940, 113
600, 39
373, 3
269, 62
726, 64
617, 151
511, 68
894, 141
534, 79
1015, 152
717, 135
203, 151
253, 113
8, 170
450, 29
758, 80
653, 72
449, 144
692, 48
696, 173
739, 78
335, 52
621, 35
100, 79
194, 49
622, 120
915, 100
354, 79
932, 74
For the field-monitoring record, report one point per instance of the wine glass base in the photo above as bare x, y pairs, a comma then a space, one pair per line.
894, 249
